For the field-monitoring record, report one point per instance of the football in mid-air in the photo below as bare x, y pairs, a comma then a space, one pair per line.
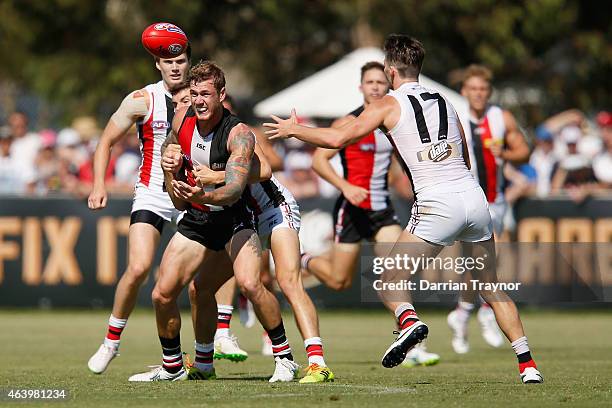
164, 40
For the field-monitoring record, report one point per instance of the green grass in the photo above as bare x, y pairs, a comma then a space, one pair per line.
573, 350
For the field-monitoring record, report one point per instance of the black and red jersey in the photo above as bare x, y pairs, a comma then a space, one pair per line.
366, 164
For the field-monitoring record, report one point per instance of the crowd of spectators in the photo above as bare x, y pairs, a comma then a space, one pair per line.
49, 162
571, 156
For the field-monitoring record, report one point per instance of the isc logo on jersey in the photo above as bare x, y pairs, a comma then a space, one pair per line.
438, 152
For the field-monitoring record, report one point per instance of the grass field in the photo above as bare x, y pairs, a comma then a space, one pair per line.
573, 350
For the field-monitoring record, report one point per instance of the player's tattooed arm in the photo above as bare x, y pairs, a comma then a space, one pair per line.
241, 145
260, 171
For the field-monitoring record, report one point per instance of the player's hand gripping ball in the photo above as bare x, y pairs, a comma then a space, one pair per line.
164, 40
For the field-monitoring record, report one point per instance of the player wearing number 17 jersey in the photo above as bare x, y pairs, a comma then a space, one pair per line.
450, 205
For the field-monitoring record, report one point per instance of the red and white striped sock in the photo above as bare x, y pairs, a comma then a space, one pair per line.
314, 350
171, 354
406, 316
115, 328
521, 348
204, 356
224, 317
280, 344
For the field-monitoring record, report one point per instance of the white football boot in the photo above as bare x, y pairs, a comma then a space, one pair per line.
531, 375
459, 339
285, 370
226, 347
419, 356
159, 374
102, 358
490, 329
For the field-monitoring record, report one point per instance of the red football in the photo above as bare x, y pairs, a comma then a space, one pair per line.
164, 40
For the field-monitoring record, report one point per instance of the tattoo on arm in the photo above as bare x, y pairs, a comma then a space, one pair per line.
241, 146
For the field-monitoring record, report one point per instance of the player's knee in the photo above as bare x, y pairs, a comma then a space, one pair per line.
250, 287
137, 272
289, 281
161, 299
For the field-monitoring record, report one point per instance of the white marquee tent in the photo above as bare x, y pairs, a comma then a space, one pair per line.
334, 91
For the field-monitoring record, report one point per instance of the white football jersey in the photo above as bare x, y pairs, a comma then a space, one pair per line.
152, 132
428, 140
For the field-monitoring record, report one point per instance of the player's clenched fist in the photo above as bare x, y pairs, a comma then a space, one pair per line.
97, 198
172, 159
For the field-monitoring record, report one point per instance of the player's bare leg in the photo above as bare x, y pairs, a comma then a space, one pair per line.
458, 318
505, 310
214, 274
143, 240
245, 251
337, 270
181, 261
246, 307
411, 330
418, 356
226, 345
285, 246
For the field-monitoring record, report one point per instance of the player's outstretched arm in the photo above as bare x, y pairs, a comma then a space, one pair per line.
376, 114
134, 106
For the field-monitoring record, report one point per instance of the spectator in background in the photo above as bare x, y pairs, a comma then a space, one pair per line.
298, 176
543, 160
128, 163
25, 144
602, 163
11, 180
574, 174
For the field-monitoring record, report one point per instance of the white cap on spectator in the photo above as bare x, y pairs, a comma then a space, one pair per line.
602, 167
68, 137
571, 134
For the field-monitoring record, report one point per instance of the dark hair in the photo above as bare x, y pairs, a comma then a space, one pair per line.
205, 70
371, 65
476, 70
183, 85
405, 53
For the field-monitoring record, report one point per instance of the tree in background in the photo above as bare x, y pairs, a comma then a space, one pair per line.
84, 56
